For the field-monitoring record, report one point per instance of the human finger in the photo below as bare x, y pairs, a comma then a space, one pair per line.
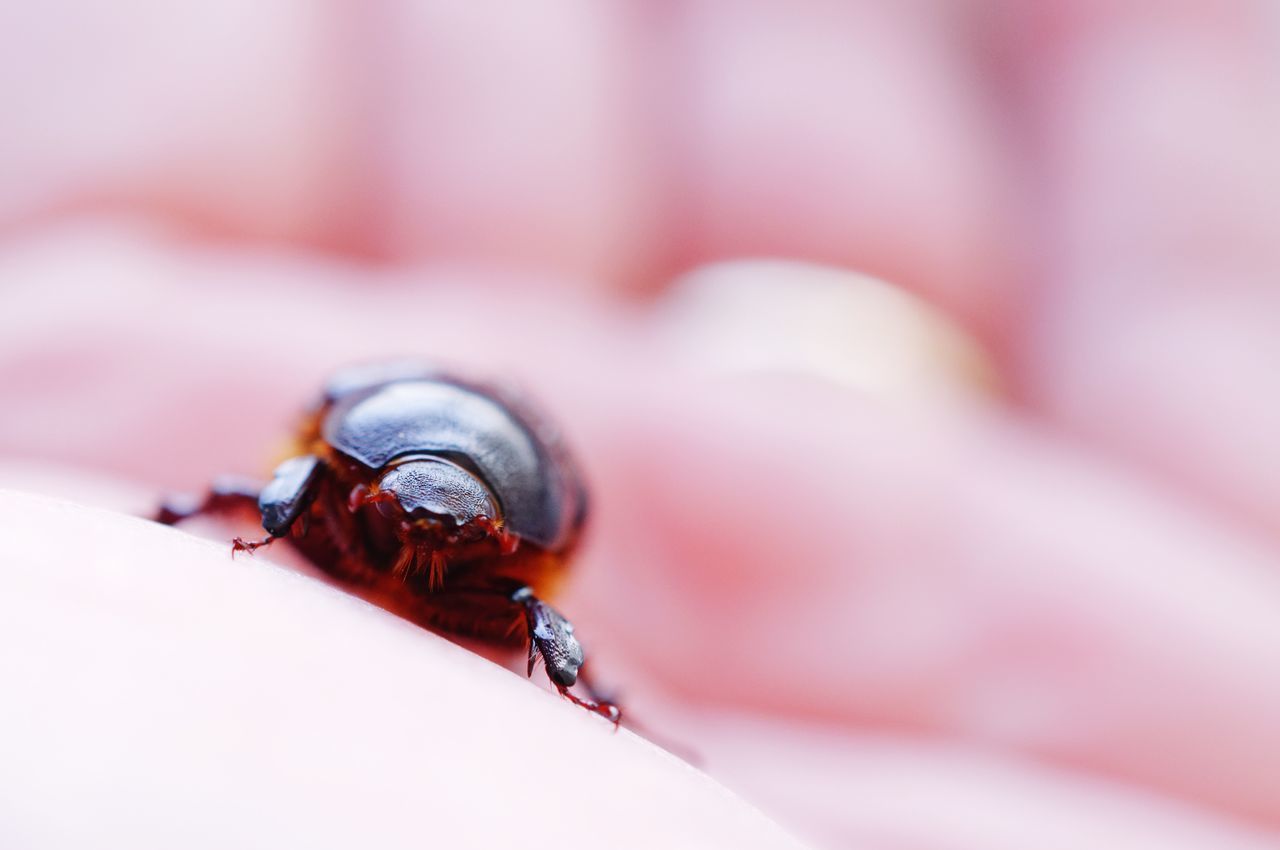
854, 134
158, 677
1155, 129
849, 789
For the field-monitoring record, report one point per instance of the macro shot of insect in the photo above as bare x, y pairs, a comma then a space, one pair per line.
445, 501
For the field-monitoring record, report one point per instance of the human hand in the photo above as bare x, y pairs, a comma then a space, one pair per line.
987, 621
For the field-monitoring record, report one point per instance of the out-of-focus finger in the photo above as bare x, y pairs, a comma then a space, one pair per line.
1158, 330
849, 790
403, 129
171, 382
847, 133
227, 116
781, 547
512, 137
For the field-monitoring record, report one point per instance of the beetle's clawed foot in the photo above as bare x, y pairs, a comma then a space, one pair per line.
239, 544
551, 638
609, 711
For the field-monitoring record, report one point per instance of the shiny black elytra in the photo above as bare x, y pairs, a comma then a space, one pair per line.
441, 500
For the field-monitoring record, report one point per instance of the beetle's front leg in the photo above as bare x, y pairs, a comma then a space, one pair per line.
279, 504
551, 636
292, 489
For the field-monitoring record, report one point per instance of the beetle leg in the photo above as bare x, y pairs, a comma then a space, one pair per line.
608, 710
239, 544
292, 489
593, 692
551, 636
226, 495
279, 504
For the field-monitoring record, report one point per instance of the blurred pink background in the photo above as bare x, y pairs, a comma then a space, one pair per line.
922, 355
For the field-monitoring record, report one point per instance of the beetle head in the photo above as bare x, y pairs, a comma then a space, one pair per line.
437, 491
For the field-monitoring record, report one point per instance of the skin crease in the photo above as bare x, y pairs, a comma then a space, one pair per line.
1044, 620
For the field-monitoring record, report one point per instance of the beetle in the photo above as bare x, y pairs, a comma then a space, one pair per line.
448, 502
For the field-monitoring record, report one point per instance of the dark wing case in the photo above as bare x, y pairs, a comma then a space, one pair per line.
521, 459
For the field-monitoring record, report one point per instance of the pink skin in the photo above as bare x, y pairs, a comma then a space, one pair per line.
1048, 622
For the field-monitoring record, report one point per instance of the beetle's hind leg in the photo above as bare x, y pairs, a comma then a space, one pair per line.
226, 495
551, 637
